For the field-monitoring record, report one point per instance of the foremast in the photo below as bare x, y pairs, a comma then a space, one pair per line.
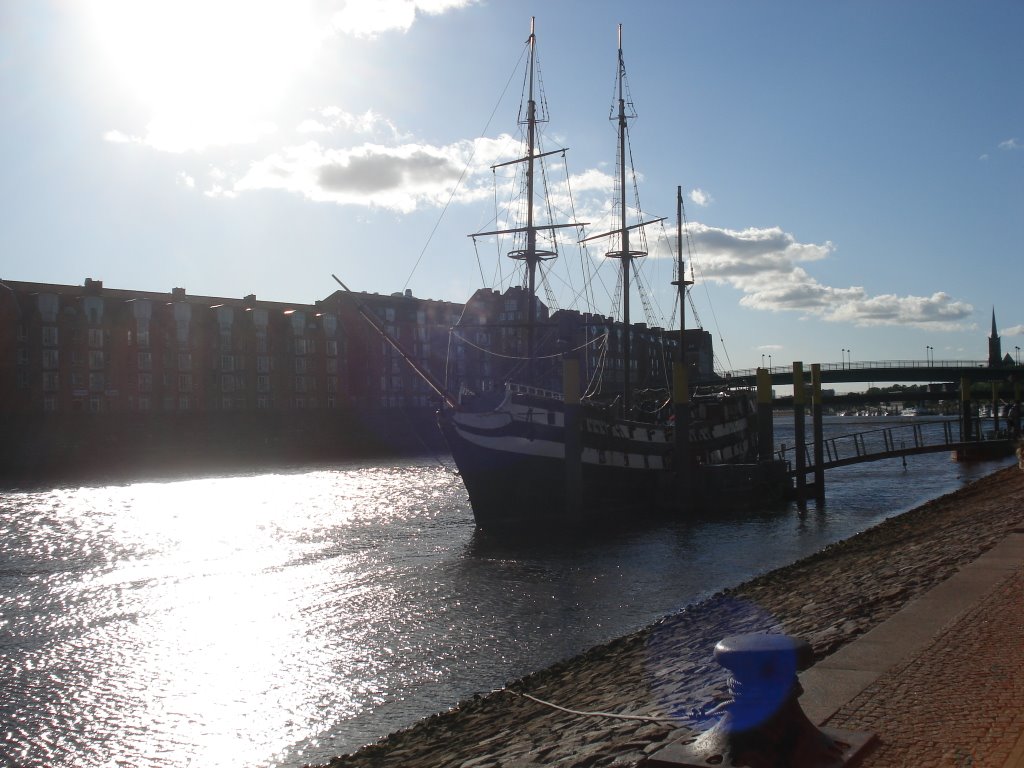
531, 255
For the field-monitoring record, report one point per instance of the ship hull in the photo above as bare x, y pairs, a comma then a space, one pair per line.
512, 460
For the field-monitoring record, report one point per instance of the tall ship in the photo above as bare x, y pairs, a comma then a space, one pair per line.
535, 457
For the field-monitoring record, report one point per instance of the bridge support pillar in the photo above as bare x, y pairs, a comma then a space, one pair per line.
819, 443
765, 416
966, 433
799, 401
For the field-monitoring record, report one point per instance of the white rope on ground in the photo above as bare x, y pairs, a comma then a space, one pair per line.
643, 718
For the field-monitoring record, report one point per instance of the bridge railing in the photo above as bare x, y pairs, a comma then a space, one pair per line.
776, 370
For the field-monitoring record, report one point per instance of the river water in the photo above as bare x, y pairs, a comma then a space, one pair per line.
282, 618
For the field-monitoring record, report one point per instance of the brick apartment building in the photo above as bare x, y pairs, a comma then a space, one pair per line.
182, 370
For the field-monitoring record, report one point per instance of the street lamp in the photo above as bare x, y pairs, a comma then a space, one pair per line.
1018, 355
929, 354
769, 362
762, 359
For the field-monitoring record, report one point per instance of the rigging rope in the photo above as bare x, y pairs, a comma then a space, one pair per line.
465, 170
462, 338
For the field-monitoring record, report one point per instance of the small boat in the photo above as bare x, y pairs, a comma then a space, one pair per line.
532, 458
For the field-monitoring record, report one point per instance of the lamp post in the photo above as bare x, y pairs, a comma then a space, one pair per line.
929, 354
1018, 354
762, 359
843, 364
769, 362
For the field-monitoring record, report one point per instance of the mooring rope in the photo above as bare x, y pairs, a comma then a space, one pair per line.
613, 715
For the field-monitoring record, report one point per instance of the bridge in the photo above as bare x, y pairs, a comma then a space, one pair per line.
888, 371
810, 459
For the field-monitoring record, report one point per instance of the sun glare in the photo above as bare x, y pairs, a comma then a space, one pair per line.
207, 72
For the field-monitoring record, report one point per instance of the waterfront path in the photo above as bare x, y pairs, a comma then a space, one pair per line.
955, 700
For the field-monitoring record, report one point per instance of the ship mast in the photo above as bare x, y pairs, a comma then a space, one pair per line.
530, 255
625, 254
681, 282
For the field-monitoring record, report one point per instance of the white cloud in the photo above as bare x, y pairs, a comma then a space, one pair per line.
369, 18
118, 137
185, 180
399, 177
1010, 144
766, 265
701, 198
1013, 330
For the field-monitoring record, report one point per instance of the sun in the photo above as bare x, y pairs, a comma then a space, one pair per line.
205, 72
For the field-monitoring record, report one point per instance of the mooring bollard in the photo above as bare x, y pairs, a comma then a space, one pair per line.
763, 723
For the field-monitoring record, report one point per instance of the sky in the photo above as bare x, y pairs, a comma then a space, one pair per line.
853, 172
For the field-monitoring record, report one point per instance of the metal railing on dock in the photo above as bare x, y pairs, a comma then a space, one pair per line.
890, 442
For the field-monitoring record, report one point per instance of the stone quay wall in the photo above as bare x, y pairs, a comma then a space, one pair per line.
666, 671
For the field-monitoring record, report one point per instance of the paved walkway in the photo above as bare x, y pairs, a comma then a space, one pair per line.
942, 682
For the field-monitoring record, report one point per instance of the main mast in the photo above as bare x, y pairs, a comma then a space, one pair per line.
625, 254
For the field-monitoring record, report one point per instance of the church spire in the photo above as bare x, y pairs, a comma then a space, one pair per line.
995, 349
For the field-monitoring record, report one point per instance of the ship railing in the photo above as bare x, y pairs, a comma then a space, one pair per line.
525, 389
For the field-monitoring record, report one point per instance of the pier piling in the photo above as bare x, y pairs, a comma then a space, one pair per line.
799, 400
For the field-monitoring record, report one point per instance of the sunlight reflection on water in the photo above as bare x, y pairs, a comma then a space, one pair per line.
280, 619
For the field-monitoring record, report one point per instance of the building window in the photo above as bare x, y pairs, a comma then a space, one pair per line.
50, 381
96, 338
184, 361
95, 382
263, 364
145, 382
227, 383
49, 336
50, 358
95, 404
23, 356
332, 348
261, 343
145, 361
143, 403
227, 362
332, 384
331, 365
262, 383
300, 383
184, 382
226, 403
262, 403
95, 359
184, 401
300, 365
50, 404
